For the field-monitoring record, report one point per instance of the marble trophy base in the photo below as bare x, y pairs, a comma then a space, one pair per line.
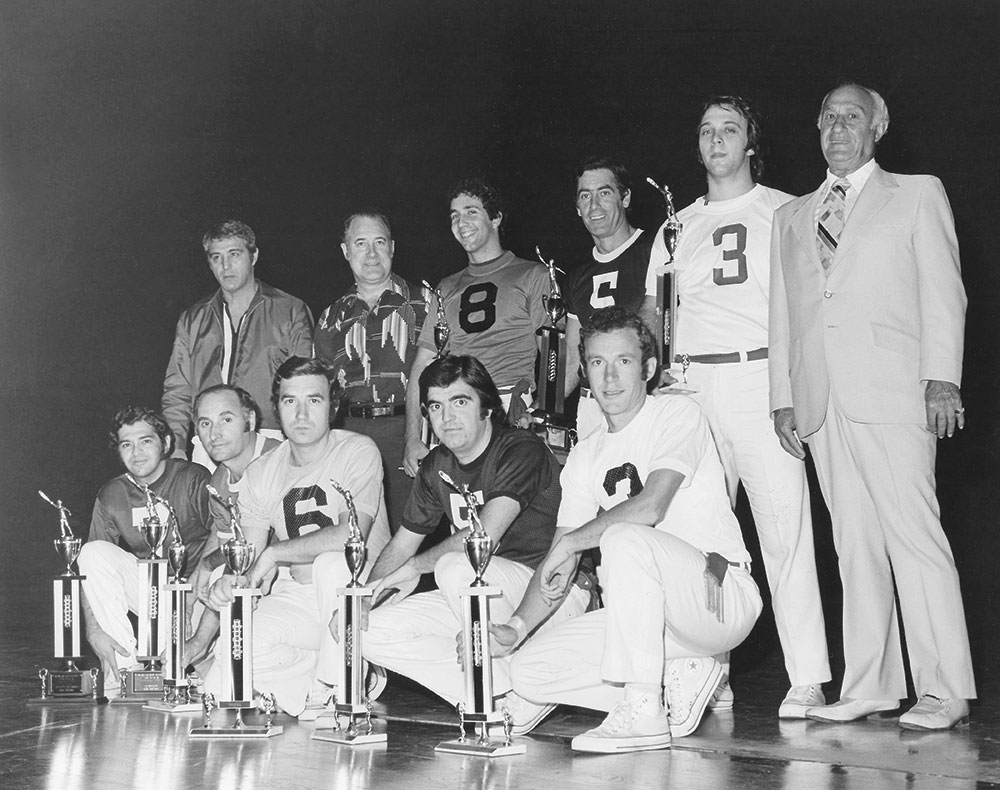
239, 729
349, 725
140, 686
70, 686
176, 699
481, 745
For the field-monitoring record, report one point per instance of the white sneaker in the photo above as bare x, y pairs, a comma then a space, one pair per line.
690, 684
524, 715
320, 697
626, 729
799, 699
376, 681
723, 698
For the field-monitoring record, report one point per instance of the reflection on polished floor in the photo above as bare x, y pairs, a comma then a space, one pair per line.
106, 747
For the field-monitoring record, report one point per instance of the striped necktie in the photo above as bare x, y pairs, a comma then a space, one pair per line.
831, 221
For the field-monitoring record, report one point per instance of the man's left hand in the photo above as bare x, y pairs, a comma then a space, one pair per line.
263, 571
404, 579
943, 401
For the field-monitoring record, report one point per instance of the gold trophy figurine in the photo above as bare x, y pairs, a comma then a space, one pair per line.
478, 708
236, 637
667, 299
68, 684
177, 690
351, 702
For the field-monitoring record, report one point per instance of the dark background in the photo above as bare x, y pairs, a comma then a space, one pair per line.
127, 127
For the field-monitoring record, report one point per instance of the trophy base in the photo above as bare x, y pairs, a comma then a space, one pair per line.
142, 686
473, 747
247, 731
70, 687
344, 737
173, 707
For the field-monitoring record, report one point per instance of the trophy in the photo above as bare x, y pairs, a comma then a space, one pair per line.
549, 416
68, 683
353, 703
666, 292
176, 684
236, 635
139, 686
477, 662
441, 334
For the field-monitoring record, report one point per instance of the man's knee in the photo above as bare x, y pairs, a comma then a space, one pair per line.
622, 539
97, 556
329, 566
453, 571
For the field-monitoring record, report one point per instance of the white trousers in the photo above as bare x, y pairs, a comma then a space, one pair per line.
734, 398
655, 610
417, 637
878, 481
292, 644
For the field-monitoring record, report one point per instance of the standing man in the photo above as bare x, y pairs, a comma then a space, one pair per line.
142, 439
615, 276
369, 337
493, 307
723, 276
225, 418
648, 489
239, 335
289, 490
515, 478
867, 322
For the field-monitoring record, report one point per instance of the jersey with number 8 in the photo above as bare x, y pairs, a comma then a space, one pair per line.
723, 272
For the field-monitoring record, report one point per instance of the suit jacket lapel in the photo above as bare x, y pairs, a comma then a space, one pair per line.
804, 225
878, 191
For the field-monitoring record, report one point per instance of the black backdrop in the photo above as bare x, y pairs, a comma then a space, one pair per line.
127, 127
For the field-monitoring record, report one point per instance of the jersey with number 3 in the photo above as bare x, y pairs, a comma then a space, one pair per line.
723, 272
493, 310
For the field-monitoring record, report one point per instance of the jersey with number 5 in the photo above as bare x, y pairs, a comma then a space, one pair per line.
723, 272
493, 310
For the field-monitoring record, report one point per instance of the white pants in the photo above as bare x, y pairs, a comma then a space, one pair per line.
734, 397
292, 644
417, 637
878, 481
655, 610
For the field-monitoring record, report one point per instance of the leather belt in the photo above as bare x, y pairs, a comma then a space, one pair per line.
721, 359
370, 411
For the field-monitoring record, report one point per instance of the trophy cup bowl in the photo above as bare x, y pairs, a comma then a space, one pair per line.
441, 334
177, 555
671, 236
555, 308
479, 549
356, 554
152, 531
68, 549
239, 555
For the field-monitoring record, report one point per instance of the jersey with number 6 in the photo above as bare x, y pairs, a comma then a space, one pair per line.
723, 272
493, 310
297, 500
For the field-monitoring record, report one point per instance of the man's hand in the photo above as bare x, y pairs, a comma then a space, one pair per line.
505, 639
784, 426
106, 648
366, 607
263, 571
221, 593
943, 401
405, 579
556, 572
200, 582
413, 451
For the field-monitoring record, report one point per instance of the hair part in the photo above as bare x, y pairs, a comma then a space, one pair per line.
611, 319
622, 177
303, 366
230, 229
755, 138
487, 193
248, 406
447, 370
130, 415
367, 213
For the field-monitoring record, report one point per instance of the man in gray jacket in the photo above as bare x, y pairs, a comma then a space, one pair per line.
239, 335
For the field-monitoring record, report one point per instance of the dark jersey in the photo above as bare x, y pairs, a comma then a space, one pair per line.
516, 464
615, 278
121, 507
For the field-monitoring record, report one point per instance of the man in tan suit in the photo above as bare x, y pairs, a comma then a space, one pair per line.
866, 336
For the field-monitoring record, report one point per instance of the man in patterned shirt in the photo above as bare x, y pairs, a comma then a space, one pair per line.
369, 337
493, 307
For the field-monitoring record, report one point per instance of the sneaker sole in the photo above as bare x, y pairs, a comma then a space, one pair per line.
962, 722
528, 726
786, 711
614, 746
687, 727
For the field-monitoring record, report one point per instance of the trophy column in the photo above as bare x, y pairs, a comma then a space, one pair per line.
550, 418
441, 334
477, 659
68, 684
351, 702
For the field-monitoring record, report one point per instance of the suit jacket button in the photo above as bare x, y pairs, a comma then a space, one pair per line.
827, 294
